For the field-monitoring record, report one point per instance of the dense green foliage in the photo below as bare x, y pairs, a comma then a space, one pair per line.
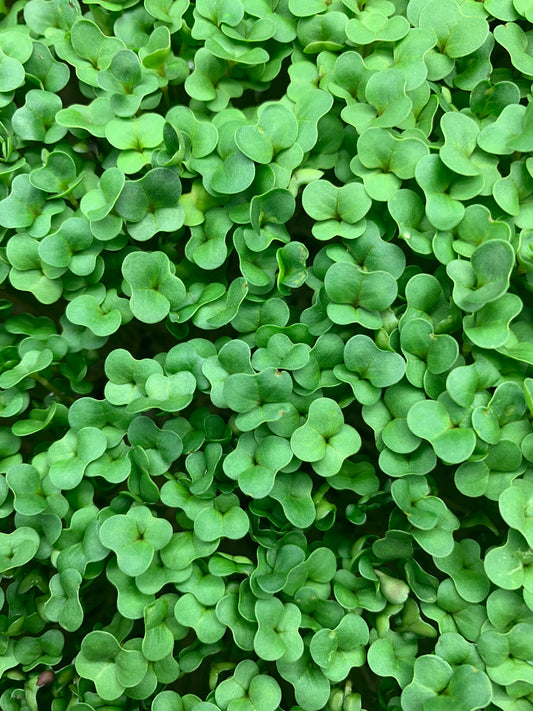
266, 355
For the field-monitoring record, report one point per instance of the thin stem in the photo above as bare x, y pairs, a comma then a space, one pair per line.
47, 384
